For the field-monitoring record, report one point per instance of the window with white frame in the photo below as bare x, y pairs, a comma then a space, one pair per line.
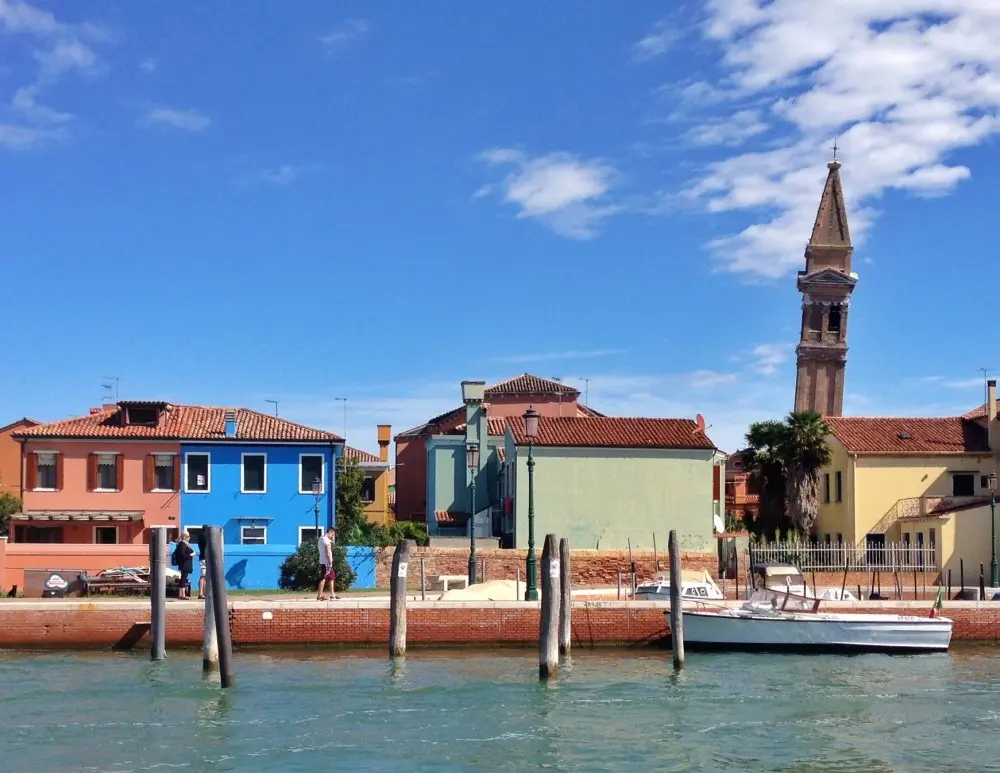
309, 534
254, 474
107, 472
196, 478
368, 489
253, 535
46, 470
311, 468
105, 535
164, 480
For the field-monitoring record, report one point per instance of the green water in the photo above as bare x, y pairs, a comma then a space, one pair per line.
449, 711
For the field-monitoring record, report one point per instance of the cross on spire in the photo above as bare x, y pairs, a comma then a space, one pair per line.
834, 148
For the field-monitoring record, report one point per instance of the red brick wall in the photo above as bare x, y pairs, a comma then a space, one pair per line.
590, 568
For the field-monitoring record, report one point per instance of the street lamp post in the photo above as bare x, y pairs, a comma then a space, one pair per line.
472, 459
994, 570
317, 490
531, 432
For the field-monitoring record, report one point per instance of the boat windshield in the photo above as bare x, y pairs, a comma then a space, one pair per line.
786, 602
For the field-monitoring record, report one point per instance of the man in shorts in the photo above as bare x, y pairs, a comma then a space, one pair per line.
327, 571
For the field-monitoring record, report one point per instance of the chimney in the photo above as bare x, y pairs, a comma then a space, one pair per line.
992, 426
95, 411
384, 438
473, 394
230, 423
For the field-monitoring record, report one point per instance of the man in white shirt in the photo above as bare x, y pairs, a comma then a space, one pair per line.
327, 571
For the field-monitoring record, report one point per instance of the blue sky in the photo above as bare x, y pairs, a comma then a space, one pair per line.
227, 203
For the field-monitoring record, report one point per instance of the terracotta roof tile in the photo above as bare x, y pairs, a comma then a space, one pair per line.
977, 413
495, 427
361, 457
182, 422
615, 432
447, 518
877, 435
527, 384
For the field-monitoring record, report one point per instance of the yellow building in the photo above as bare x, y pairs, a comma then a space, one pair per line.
375, 492
913, 483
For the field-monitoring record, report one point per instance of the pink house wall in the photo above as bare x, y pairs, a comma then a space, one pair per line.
14, 559
161, 508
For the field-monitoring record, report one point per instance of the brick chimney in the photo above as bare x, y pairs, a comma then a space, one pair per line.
384, 438
992, 426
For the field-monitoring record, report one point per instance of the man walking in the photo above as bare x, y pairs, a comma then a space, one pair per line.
327, 571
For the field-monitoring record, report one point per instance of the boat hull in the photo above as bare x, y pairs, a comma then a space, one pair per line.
834, 633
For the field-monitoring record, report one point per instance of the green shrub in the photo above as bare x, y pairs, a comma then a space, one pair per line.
300, 571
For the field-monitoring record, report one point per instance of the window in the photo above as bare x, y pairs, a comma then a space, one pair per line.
737, 465
107, 472
963, 484
309, 534
254, 476
196, 478
826, 488
164, 472
840, 538
141, 417
38, 534
368, 490
311, 467
984, 481
827, 539
46, 471
105, 535
840, 486
253, 535
833, 319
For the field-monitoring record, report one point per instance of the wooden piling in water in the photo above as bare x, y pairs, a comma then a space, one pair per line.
210, 637
158, 594
565, 598
220, 605
423, 579
397, 599
548, 619
676, 608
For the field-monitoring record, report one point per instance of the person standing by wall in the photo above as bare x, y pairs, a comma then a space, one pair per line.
202, 559
183, 559
328, 573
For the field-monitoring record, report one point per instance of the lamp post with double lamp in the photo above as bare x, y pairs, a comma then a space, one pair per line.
994, 569
472, 459
317, 490
531, 432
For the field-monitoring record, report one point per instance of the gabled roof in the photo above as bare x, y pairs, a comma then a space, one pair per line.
903, 436
23, 420
830, 228
606, 432
361, 457
977, 413
527, 384
182, 422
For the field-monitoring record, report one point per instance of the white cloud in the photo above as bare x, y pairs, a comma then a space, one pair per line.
566, 193
188, 120
901, 84
147, 65
966, 383
734, 130
15, 137
346, 35
656, 43
768, 357
569, 354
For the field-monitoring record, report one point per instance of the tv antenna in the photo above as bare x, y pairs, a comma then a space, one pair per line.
274, 403
344, 401
586, 391
110, 389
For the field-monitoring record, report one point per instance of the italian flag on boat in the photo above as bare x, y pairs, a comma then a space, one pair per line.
938, 605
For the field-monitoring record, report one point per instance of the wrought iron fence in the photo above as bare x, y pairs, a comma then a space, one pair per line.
837, 556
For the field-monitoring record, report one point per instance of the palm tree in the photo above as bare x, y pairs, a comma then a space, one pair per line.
785, 459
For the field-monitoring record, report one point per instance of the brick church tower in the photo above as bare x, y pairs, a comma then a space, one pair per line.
826, 286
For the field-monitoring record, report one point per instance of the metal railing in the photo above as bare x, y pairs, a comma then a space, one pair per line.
834, 556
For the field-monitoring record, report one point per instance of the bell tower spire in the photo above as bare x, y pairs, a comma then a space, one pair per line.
826, 285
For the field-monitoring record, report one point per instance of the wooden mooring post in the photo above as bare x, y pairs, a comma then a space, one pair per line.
220, 605
397, 599
566, 598
210, 636
158, 594
548, 619
676, 608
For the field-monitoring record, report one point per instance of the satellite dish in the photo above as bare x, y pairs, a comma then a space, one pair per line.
699, 422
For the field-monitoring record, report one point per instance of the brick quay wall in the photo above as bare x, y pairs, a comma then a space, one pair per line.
79, 624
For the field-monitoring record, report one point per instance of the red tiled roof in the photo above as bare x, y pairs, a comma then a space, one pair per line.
361, 457
606, 432
526, 384
584, 411
495, 427
182, 422
977, 413
23, 420
877, 435
447, 518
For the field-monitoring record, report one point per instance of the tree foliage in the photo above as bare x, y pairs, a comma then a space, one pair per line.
785, 460
300, 571
9, 504
353, 527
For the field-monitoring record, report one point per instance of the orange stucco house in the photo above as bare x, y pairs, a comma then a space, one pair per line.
10, 456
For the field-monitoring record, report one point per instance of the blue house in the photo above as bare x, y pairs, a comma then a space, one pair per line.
269, 483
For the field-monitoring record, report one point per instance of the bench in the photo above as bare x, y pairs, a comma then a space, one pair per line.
444, 582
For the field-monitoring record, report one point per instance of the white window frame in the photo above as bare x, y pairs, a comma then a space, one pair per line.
243, 485
245, 526
208, 475
106, 526
322, 474
310, 528
99, 454
55, 463
171, 454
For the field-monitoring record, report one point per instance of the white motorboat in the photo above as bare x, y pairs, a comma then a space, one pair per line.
786, 577
694, 585
774, 621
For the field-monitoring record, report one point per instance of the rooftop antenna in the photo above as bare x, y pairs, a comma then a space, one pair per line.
558, 380
344, 401
110, 389
586, 391
273, 402
986, 387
